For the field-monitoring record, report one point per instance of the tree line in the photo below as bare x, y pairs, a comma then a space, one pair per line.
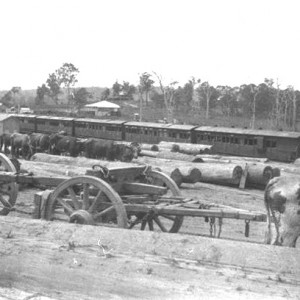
265, 100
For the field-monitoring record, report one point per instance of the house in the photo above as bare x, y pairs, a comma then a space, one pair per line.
102, 108
8, 124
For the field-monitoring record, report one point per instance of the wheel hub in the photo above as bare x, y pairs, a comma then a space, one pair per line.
82, 217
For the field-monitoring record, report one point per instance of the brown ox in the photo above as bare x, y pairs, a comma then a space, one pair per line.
64, 144
5, 142
39, 142
110, 150
282, 197
20, 144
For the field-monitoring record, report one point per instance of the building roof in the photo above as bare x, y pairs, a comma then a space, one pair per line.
5, 116
103, 104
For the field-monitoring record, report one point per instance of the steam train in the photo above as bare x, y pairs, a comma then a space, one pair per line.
275, 145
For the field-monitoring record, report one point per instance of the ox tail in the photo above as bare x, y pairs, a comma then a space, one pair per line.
268, 201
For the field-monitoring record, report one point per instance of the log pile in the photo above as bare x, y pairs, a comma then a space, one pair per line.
186, 148
181, 171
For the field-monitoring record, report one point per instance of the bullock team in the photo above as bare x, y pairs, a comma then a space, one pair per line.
25, 145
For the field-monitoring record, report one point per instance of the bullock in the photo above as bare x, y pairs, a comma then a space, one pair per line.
110, 150
63, 144
282, 197
5, 142
20, 144
39, 142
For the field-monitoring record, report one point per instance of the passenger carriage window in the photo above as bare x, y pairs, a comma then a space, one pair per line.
270, 144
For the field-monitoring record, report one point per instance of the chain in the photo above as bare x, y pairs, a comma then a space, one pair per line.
212, 229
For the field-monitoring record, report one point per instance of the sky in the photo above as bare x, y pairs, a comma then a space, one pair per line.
224, 42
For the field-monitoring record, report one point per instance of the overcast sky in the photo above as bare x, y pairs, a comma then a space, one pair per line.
225, 42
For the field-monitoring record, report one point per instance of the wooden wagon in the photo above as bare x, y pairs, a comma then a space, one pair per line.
128, 197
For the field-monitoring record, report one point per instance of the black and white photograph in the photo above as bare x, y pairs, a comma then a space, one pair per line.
149, 150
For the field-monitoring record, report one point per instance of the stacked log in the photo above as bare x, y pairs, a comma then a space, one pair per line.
170, 155
181, 171
227, 174
260, 174
186, 148
227, 158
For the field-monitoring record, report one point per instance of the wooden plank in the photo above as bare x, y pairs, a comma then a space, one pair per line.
142, 188
7, 177
62, 261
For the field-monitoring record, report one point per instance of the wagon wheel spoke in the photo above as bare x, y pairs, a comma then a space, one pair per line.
89, 200
150, 224
144, 223
4, 202
103, 212
160, 225
65, 205
72, 193
166, 223
96, 200
85, 196
8, 191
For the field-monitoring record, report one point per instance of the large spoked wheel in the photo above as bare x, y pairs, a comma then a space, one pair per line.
8, 191
158, 222
87, 200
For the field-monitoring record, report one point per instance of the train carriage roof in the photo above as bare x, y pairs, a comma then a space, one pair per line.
147, 124
102, 121
253, 132
181, 127
53, 118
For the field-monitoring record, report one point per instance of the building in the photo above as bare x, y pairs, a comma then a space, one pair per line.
102, 108
8, 123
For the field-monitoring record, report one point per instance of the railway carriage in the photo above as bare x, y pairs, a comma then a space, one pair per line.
27, 123
47, 124
180, 133
102, 129
275, 145
145, 132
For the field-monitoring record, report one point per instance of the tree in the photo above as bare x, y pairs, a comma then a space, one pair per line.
144, 89
41, 92
10, 98
145, 86
228, 100
67, 75
105, 94
168, 92
54, 87
185, 95
128, 89
80, 97
117, 88
207, 93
